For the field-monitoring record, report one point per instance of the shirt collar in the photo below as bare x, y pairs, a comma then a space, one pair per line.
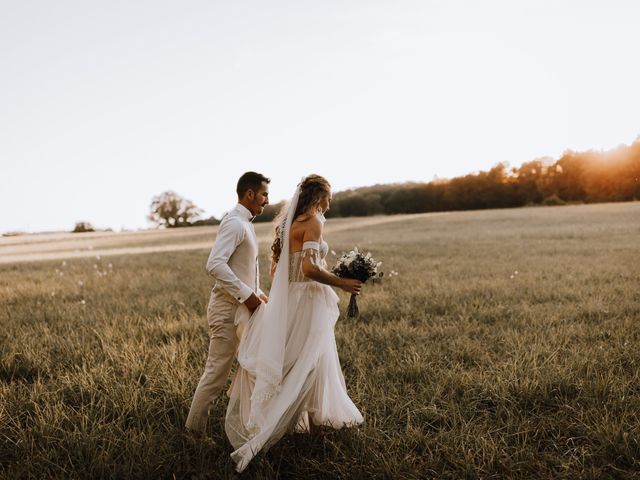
244, 212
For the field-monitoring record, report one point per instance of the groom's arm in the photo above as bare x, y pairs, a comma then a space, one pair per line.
230, 234
261, 295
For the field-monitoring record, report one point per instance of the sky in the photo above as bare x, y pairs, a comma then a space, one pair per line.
105, 104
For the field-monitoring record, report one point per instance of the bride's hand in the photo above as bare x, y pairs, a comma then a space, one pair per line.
351, 285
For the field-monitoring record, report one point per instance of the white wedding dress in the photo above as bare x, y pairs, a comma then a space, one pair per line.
307, 380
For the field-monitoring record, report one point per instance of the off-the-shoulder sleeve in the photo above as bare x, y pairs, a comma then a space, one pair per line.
311, 252
311, 245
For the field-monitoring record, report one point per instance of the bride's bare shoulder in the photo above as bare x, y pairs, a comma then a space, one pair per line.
313, 227
307, 225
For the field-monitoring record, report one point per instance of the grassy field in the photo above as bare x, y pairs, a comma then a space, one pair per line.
506, 347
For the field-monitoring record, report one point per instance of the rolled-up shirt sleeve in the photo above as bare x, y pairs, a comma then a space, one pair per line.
230, 234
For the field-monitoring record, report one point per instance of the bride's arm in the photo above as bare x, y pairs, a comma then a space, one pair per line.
312, 267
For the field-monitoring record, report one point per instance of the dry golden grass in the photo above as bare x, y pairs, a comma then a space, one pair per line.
506, 347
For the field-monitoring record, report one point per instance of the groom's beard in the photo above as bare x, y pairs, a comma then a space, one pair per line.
260, 209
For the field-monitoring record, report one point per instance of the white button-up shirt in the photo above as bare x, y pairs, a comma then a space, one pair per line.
233, 260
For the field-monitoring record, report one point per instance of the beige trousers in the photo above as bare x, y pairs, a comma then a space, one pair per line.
223, 342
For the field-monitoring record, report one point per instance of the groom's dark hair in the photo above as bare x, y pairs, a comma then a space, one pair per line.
250, 181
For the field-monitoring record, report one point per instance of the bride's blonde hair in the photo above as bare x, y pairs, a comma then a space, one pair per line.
312, 189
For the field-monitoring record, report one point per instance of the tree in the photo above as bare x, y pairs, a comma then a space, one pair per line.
205, 222
83, 227
171, 210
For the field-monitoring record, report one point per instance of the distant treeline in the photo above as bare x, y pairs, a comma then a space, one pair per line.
587, 177
577, 177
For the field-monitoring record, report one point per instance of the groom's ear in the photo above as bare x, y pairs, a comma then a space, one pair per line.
248, 195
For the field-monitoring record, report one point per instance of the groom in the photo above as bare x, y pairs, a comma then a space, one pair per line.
233, 262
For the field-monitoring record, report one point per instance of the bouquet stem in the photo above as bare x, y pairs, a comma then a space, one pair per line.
353, 311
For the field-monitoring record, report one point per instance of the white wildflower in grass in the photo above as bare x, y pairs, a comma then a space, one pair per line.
95, 266
98, 257
83, 302
80, 283
110, 266
64, 263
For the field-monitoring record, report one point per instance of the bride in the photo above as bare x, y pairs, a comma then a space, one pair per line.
289, 374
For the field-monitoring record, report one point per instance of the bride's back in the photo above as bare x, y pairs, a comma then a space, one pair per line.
298, 229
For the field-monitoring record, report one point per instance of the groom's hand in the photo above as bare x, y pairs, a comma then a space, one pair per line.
252, 302
264, 298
